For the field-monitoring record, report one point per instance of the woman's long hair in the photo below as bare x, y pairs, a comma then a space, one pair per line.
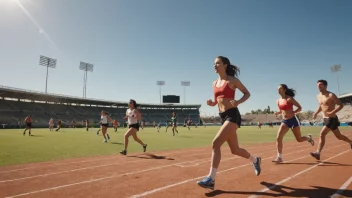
231, 70
134, 103
288, 91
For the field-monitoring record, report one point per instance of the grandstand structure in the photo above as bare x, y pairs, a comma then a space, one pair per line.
16, 104
345, 115
253, 119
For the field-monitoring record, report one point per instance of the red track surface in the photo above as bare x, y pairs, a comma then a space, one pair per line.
174, 174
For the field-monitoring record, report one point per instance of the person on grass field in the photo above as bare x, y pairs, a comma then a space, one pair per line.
159, 126
224, 94
116, 124
174, 123
327, 102
104, 122
87, 124
285, 104
28, 121
132, 116
58, 125
51, 124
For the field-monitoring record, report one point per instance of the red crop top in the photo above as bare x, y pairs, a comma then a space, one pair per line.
285, 105
224, 91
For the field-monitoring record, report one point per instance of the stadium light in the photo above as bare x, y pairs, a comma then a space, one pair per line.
87, 67
335, 69
47, 62
160, 83
185, 84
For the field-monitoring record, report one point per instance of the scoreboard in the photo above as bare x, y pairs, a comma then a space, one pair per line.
171, 99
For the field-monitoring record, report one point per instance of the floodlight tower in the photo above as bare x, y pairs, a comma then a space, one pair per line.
160, 83
335, 69
47, 62
86, 67
185, 84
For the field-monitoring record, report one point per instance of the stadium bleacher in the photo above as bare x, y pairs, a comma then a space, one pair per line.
16, 104
345, 115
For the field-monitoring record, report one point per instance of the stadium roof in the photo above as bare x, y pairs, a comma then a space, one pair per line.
10, 92
346, 98
345, 95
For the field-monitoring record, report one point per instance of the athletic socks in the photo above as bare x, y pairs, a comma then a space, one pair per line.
253, 159
212, 173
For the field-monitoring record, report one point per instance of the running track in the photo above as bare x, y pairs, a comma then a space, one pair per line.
167, 174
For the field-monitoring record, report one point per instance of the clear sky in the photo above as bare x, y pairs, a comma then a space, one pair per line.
134, 43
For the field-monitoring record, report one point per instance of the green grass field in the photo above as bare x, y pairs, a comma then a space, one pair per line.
70, 143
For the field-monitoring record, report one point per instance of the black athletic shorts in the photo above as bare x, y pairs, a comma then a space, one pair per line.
105, 125
136, 126
233, 115
332, 123
29, 125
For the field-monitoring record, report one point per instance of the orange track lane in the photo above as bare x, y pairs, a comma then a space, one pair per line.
124, 176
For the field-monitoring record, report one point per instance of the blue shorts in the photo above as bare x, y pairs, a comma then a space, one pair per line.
291, 123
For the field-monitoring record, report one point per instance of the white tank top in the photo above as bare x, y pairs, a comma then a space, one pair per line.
132, 116
104, 119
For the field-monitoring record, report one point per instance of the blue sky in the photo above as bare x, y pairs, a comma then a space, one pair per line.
135, 43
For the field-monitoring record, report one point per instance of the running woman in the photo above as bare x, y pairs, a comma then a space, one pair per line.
185, 123
51, 124
104, 120
58, 125
167, 125
285, 104
159, 126
224, 94
174, 123
28, 121
116, 124
327, 102
132, 116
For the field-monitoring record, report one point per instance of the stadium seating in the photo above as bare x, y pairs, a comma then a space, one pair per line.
42, 107
345, 115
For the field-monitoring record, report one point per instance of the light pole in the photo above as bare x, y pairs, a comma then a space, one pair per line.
47, 62
185, 84
335, 69
160, 83
86, 67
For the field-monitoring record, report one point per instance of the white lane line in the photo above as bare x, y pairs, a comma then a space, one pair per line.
134, 172
344, 186
91, 160
145, 170
203, 160
201, 177
298, 174
115, 157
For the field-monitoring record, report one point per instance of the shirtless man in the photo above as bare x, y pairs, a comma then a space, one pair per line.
327, 102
